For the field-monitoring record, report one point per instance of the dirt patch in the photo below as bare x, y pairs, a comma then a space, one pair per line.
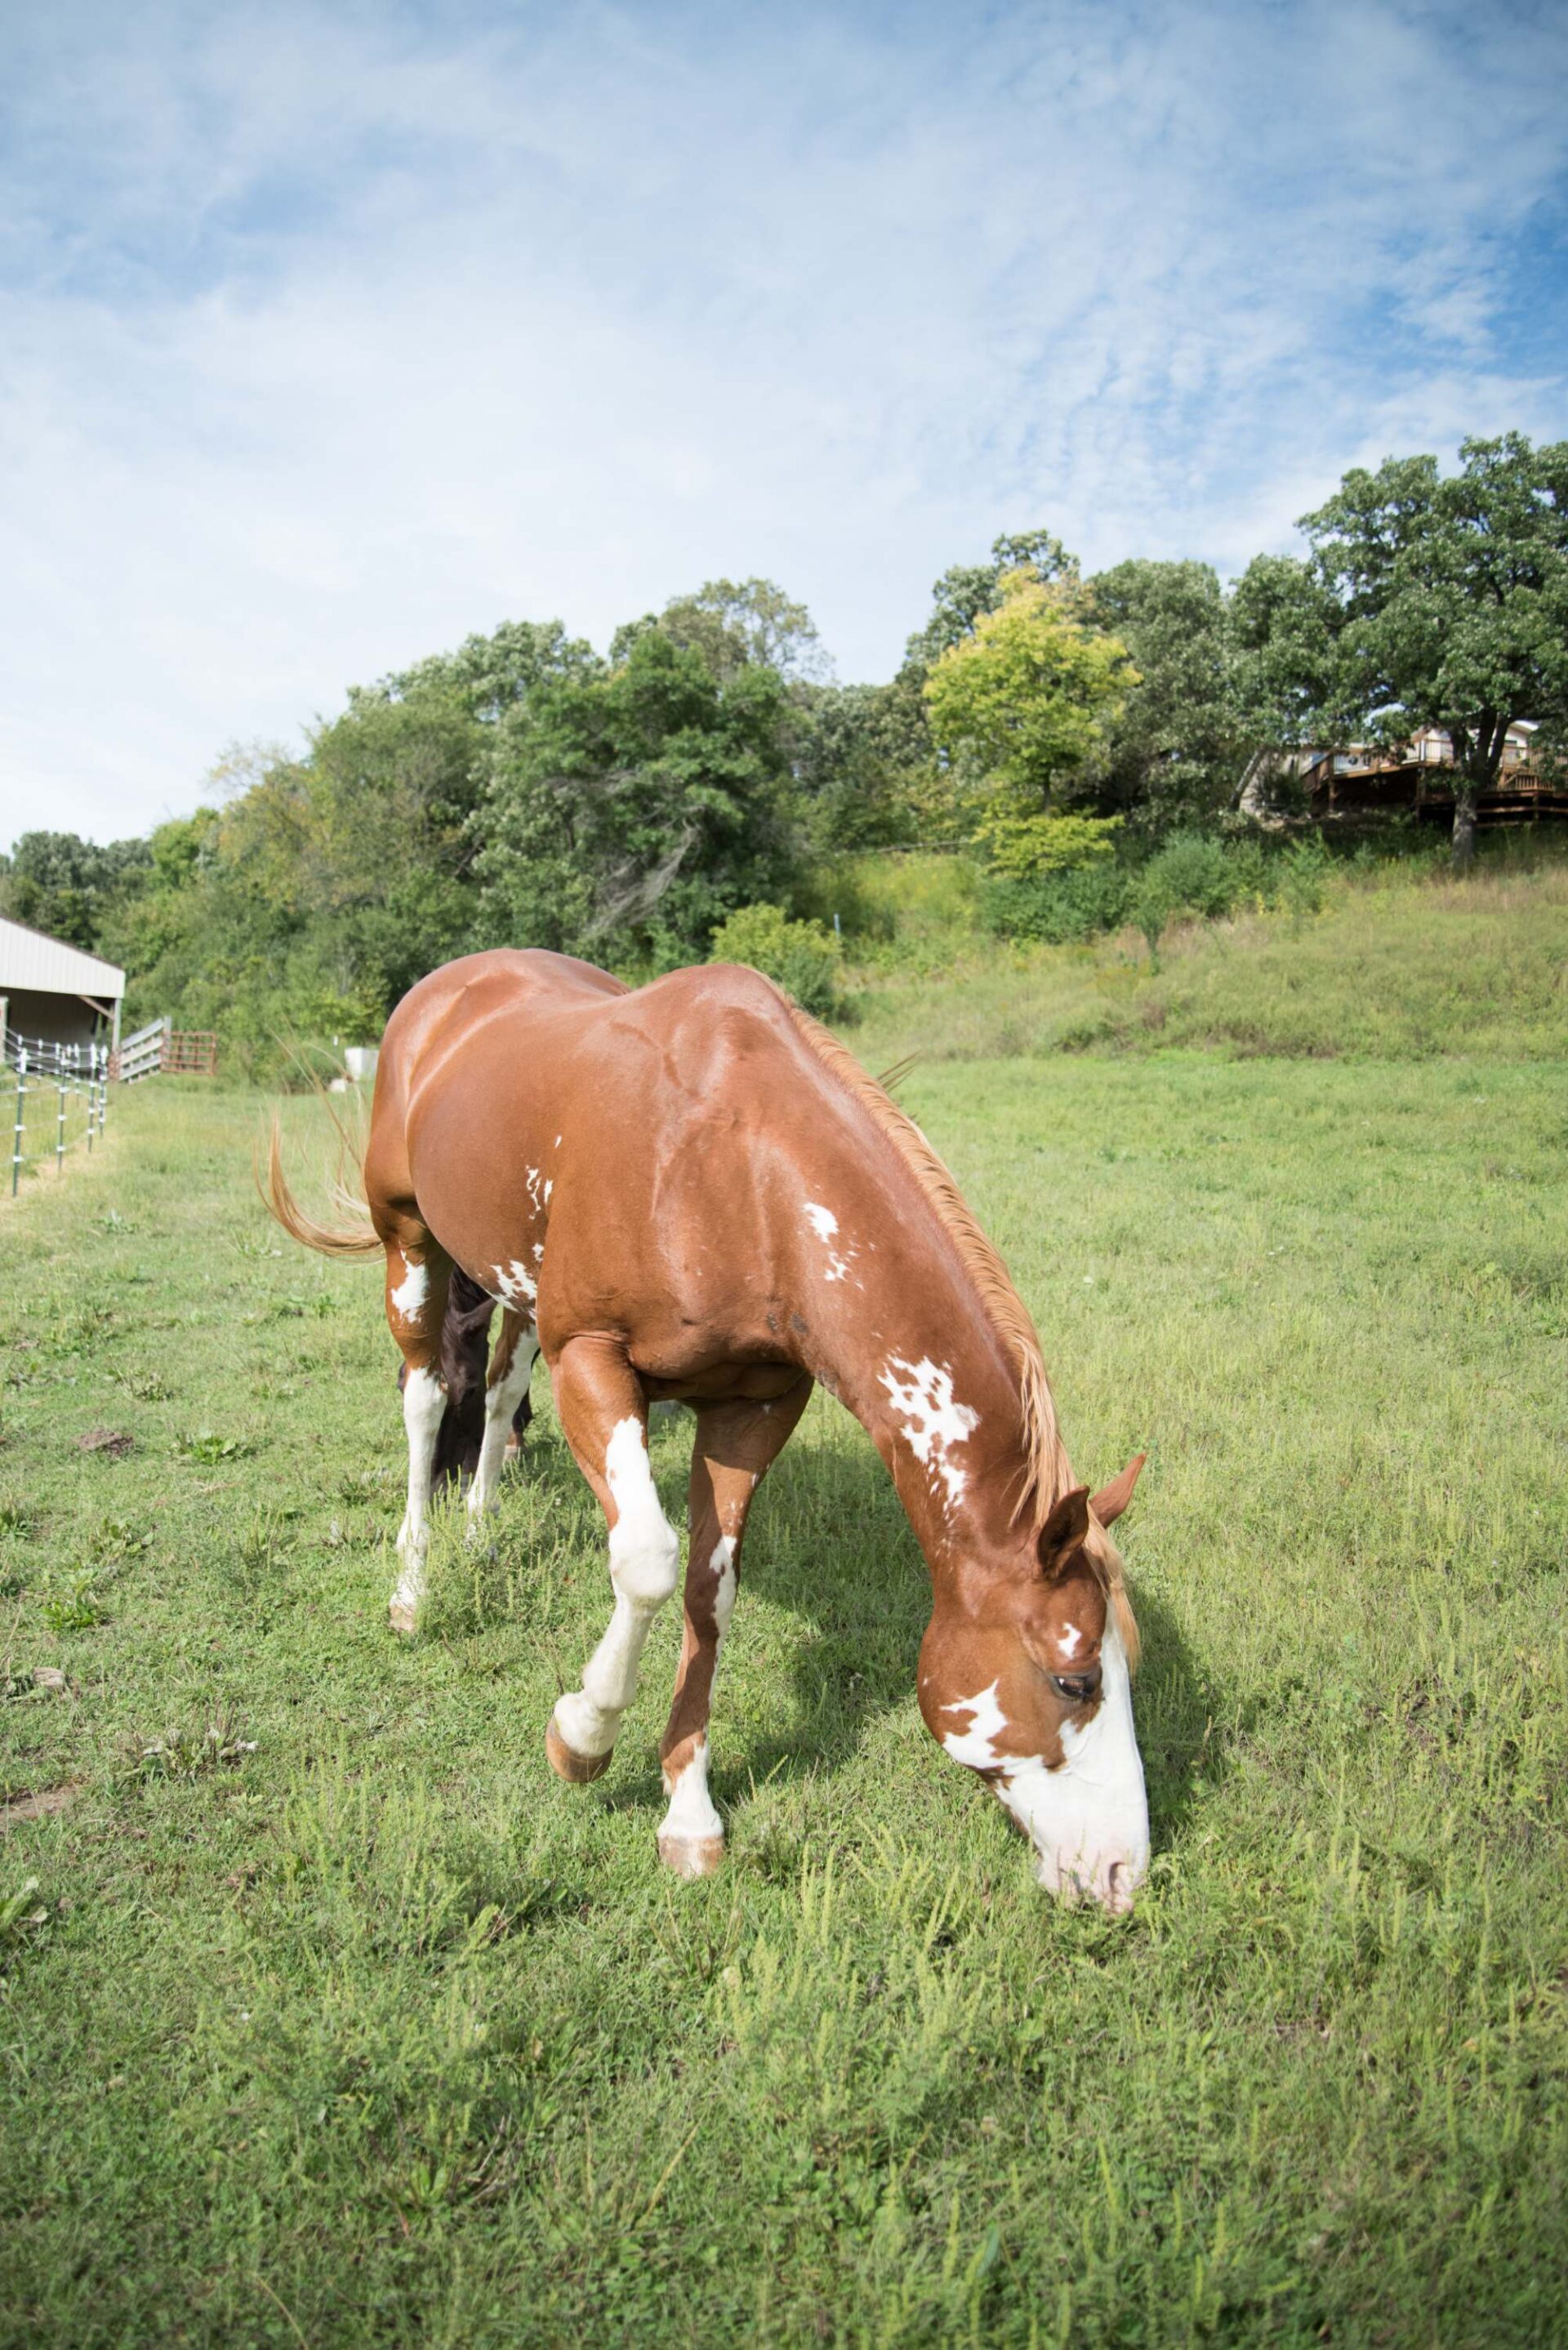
38, 1806
112, 1441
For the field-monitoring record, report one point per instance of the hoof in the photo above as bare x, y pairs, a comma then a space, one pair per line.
401, 1617
691, 1856
577, 1769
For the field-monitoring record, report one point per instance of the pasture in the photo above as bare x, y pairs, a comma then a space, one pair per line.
331, 2016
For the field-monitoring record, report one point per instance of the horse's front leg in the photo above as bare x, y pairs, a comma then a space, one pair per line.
736, 1444
603, 1415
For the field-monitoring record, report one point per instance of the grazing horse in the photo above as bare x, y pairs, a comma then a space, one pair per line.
692, 1192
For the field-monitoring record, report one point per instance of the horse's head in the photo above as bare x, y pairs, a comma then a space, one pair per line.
1026, 1676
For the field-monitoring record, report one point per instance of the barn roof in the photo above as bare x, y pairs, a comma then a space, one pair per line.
29, 959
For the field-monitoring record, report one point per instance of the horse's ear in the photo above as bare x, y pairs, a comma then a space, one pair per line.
1108, 1505
1063, 1531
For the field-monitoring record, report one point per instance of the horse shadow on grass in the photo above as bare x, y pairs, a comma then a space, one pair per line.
829, 1547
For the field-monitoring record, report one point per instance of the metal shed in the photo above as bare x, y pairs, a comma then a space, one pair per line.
53, 993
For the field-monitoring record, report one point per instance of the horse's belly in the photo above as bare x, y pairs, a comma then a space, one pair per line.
733, 1382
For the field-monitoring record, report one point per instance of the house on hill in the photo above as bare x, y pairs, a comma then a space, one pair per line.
52, 993
1411, 778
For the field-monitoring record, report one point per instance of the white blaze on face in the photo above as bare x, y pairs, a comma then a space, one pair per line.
934, 1420
410, 1292
824, 1224
1089, 1818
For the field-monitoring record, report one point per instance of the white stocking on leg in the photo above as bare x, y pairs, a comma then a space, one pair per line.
424, 1400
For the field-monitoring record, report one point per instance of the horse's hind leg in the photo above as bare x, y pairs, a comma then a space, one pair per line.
504, 1395
418, 1274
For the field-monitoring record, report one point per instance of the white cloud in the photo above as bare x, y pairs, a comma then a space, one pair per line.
326, 336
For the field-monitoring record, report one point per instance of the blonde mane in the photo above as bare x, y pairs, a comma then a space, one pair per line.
1048, 1472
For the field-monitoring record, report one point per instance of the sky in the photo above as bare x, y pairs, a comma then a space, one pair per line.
330, 334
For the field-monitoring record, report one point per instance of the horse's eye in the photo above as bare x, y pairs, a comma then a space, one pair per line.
1076, 1688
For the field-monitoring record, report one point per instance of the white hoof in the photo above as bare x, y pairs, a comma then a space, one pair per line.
691, 1856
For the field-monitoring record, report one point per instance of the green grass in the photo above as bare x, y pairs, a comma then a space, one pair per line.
1402, 963
331, 2017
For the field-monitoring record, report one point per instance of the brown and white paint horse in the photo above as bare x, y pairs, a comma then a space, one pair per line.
690, 1192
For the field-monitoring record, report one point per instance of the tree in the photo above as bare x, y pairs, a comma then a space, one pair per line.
967, 591
863, 763
1171, 754
735, 625
1029, 695
628, 813
59, 883
488, 675
1426, 601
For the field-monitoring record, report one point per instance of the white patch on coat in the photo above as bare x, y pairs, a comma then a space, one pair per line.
974, 1745
501, 1400
722, 1565
645, 1555
410, 1295
1071, 1636
424, 1401
1088, 1818
824, 1224
516, 1287
692, 1816
934, 1420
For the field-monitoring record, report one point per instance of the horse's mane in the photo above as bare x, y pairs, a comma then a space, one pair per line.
1048, 1472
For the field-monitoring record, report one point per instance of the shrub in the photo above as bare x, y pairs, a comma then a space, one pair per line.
1303, 873
1193, 870
1029, 846
1058, 908
802, 957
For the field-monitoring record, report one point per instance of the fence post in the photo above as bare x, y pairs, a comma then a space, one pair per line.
61, 1133
21, 1097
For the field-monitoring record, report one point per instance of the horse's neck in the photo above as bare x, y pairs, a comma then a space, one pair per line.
907, 1349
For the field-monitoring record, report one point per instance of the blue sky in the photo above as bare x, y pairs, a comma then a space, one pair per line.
328, 334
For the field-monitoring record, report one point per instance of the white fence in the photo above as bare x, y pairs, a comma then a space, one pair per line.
193, 1052
140, 1055
58, 1097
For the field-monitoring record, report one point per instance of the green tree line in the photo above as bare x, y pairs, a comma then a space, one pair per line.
627, 805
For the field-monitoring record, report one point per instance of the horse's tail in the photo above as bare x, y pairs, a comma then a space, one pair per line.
357, 1238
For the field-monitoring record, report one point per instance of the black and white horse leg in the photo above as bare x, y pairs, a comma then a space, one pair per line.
505, 1402
418, 1275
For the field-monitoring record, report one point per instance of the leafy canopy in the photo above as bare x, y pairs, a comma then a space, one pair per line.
1030, 692
628, 811
1427, 601
966, 592
57, 883
1171, 753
